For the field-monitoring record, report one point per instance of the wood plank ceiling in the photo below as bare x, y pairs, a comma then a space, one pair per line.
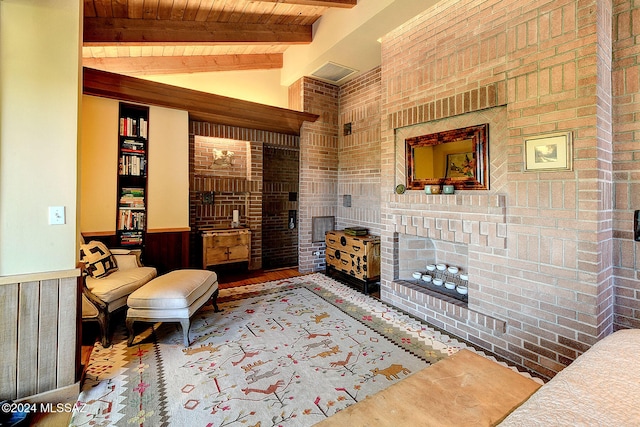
141, 37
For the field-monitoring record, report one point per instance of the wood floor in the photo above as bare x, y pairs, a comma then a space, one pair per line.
230, 280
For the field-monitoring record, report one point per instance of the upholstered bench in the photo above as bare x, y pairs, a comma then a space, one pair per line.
173, 297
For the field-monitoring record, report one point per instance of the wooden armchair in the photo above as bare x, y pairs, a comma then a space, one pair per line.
110, 276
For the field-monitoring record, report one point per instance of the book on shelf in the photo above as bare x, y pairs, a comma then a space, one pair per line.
143, 128
133, 127
132, 192
132, 146
133, 165
356, 231
132, 198
130, 238
131, 220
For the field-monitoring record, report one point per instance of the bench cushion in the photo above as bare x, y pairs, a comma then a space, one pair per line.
174, 290
120, 283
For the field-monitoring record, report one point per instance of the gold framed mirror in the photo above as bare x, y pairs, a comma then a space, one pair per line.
455, 157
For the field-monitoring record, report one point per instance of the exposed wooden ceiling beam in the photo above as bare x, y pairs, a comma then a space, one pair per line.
324, 3
146, 65
110, 31
200, 105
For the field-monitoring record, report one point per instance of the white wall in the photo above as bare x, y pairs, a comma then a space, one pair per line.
261, 86
168, 185
349, 37
39, 99
98, 164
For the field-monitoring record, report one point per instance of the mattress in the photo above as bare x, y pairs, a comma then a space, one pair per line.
600, 388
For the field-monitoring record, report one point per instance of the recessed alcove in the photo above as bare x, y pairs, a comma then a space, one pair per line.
415, 252
441, 307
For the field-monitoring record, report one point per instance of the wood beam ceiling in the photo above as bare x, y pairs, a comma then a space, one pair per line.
153, 65
116, 31
110, 31
201, 106
323, 3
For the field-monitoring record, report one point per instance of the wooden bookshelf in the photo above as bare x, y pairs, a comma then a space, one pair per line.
131, 217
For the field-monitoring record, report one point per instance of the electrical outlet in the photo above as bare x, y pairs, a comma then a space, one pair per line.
56, 215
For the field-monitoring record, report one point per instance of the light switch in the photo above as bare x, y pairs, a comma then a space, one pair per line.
56, 215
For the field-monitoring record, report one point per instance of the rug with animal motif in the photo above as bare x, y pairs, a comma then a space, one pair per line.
284, 353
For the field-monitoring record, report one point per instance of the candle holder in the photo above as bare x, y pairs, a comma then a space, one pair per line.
235, 223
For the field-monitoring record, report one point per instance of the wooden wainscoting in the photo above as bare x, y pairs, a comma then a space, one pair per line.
167, 250
38, 333
164, 249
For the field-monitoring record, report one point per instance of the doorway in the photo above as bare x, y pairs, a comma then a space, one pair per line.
280, 191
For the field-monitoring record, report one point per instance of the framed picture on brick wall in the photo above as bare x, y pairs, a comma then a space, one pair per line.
548, 152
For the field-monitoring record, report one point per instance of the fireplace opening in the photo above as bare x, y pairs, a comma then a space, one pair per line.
433, 265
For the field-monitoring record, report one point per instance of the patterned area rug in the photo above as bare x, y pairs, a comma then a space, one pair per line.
283, 353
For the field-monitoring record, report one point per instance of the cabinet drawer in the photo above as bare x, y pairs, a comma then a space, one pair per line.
357, 256
240, 253
339, 260
216, 256
348, 263
223, 247
226, 240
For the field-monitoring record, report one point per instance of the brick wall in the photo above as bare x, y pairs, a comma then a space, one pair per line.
541, 283
552, 262
333, 164
359, 152
626, 160
237, 186
318, 164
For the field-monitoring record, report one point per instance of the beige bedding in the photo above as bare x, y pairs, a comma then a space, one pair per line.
600, 388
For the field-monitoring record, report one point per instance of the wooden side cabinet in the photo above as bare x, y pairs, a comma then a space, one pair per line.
357, 256
225, 246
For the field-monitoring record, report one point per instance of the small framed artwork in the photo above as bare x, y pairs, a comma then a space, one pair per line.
461, 165
548, 152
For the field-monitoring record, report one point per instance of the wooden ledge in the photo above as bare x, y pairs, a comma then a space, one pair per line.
201, 106
38, 277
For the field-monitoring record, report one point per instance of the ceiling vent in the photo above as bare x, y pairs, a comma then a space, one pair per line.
333, 73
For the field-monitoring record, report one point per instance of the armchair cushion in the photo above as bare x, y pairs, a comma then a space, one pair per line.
119, 284
98, 259
126, 259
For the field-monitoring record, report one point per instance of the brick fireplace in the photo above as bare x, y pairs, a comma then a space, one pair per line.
538, 245
551, 259
446, 228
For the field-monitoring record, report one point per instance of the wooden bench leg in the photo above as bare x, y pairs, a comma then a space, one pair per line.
103, 321
214, 301
186, 324
129, 323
